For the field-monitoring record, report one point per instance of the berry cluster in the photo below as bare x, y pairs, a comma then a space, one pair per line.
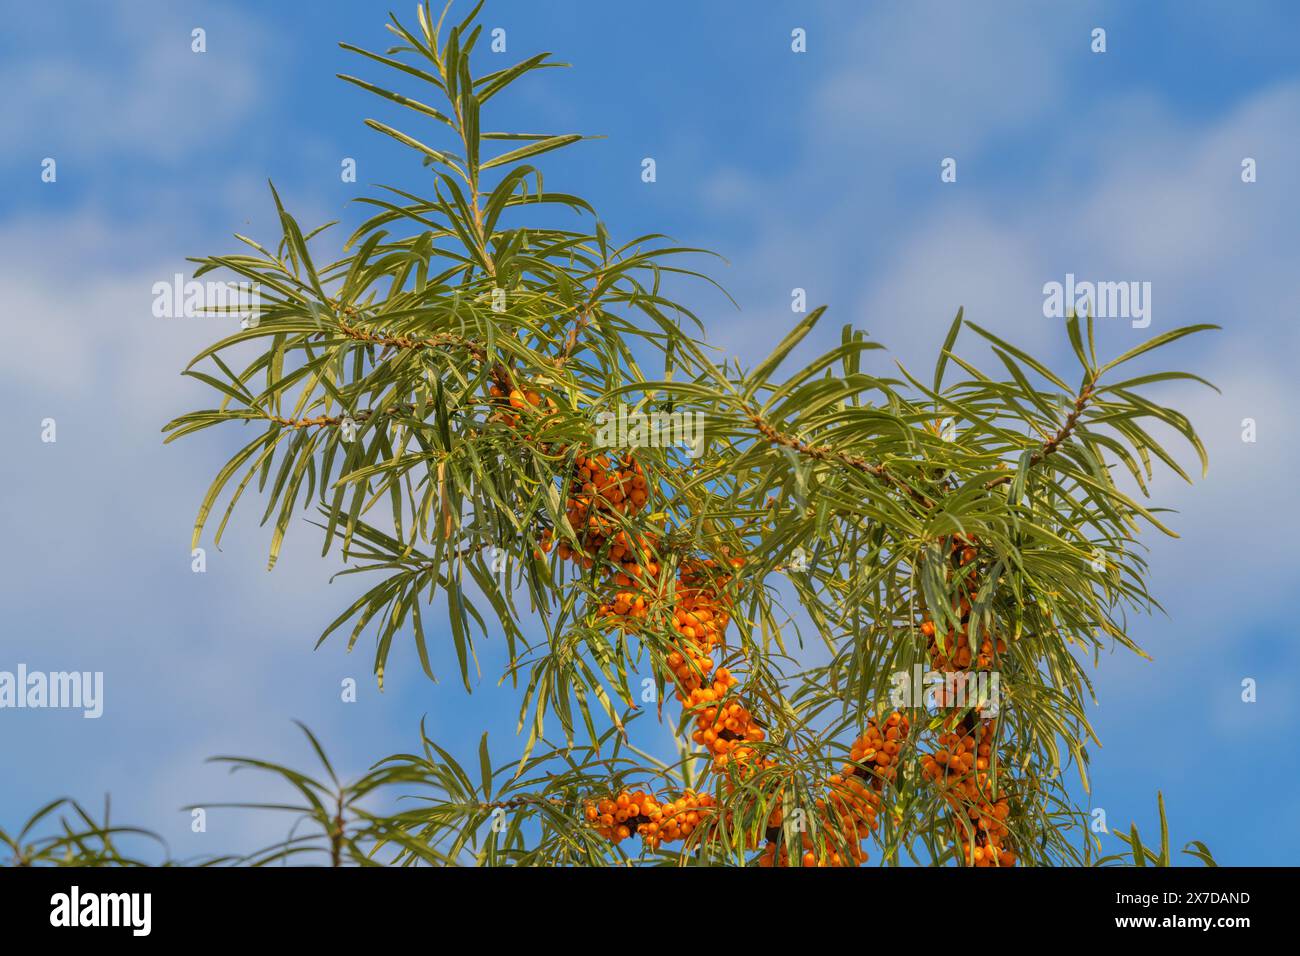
850, 810
961, 771
601, 492
639, 811
723, 725
515, 404
634, 569
961, 767
776, 855
953, 653
878, 750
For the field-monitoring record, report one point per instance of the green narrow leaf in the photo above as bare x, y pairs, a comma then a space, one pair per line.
1163, 339
758, 377
948, 342
533, 149
485, 766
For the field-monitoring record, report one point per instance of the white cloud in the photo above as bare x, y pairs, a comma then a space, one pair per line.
153, 98
941, 78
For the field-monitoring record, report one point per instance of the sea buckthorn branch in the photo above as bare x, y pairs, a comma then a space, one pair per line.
825, 454
1062, 434
725, 726
602, 490
990, 829
961, 764
1051, 444
333, 421
441, 340
625, 603
584, 316
508, 455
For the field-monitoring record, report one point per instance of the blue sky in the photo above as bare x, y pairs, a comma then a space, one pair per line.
817, 170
